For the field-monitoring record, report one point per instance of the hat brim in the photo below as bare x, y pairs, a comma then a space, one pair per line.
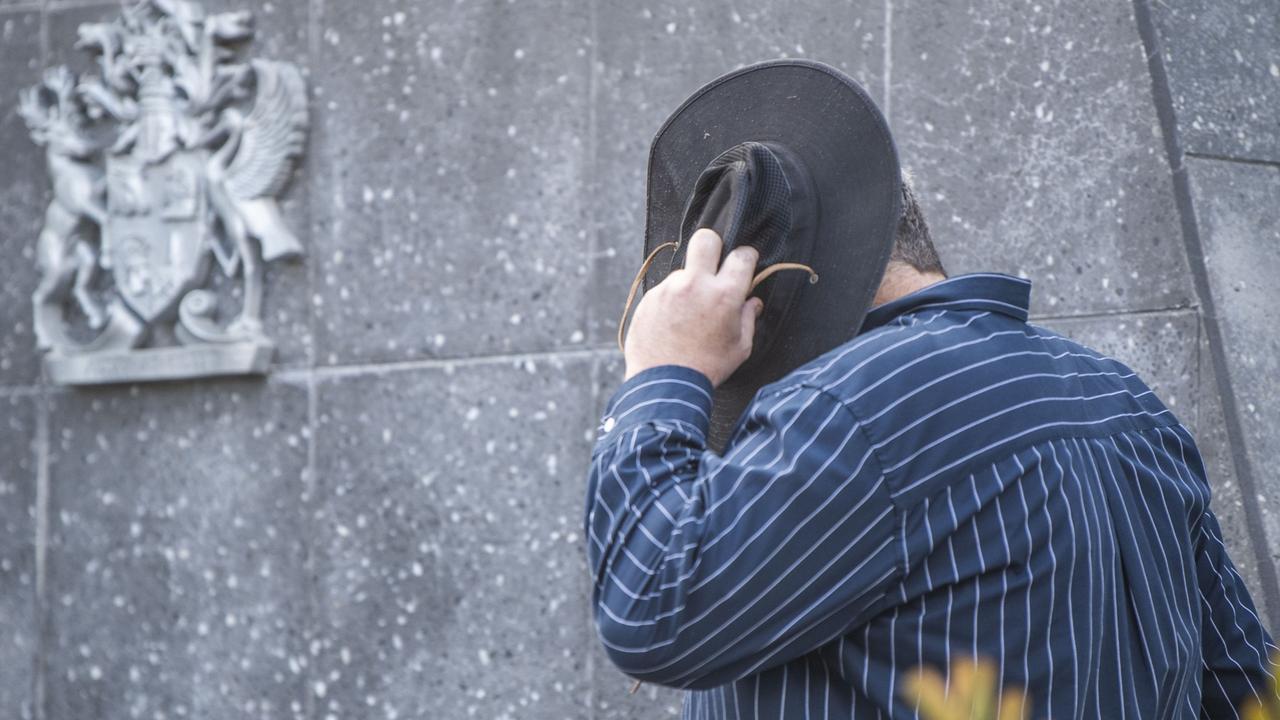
827, 120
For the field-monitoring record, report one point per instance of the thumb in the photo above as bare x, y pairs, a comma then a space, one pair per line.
751, 310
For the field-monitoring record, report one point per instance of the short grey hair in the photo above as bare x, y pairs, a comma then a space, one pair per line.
913, 245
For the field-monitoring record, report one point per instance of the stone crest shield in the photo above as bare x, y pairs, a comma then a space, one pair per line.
166, 162
154, 238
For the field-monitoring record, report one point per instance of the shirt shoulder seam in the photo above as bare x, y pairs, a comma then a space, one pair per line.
899, 513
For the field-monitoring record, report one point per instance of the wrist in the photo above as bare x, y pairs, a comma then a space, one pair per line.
664, 393
634, 368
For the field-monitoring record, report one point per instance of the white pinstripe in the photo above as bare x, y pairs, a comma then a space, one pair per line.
693, 492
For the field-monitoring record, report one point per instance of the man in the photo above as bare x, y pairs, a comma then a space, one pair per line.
952, 483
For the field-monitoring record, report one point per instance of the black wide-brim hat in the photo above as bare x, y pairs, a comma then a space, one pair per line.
793, 158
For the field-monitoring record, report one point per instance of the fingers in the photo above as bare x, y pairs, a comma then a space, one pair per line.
704, 252
751, 310
739, 267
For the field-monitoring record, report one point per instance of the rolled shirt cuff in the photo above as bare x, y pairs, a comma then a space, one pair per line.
663, 394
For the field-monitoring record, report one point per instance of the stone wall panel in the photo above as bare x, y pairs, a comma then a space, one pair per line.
18, 477
1032, 134
1239, 228
450, 558
177, 557
1224, 74
23, 199
450, 214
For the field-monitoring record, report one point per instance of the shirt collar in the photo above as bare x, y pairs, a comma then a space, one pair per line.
993, 292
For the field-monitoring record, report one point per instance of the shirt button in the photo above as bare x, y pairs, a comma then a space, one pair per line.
608, 424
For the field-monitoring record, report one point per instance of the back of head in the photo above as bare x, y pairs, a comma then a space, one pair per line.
913, 245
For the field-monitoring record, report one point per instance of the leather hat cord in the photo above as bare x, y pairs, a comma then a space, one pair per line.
635, 287
644, 268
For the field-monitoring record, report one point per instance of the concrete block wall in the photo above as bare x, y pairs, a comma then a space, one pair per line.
1215, 69
388, 525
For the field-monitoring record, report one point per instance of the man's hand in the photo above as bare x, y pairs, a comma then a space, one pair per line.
698, 317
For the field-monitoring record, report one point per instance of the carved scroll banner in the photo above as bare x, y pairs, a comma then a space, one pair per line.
166, 164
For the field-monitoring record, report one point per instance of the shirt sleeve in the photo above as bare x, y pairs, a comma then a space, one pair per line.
707, 569
1236, 648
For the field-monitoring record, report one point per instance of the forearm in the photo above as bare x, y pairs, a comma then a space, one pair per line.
643, 471
709, 568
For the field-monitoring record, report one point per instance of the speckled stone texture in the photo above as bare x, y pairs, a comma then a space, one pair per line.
1223, 62
18, 463
177, 558
451, 569
22, 200
450, 216
1033, 137
1240, 229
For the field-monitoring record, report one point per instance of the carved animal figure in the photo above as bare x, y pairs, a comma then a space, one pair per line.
66, 251
112, 97
249, 168
106, 40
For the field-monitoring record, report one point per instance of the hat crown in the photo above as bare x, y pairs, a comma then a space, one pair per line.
756, 194
846, 184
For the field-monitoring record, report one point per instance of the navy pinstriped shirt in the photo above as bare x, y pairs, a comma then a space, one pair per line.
952, 483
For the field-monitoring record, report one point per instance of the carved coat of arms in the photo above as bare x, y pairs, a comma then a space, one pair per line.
166, 163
